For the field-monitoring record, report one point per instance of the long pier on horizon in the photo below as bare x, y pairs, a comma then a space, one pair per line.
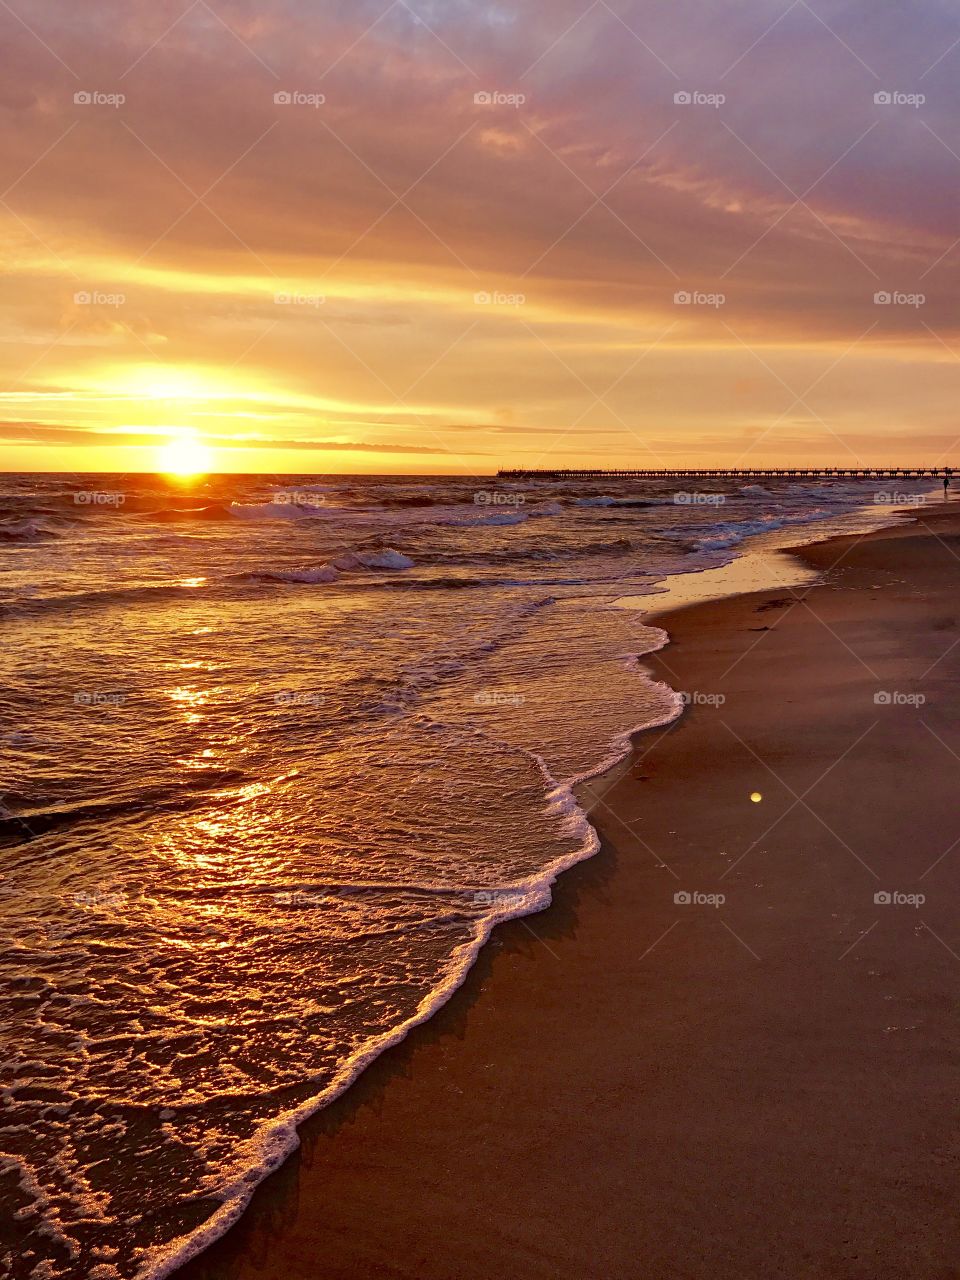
732, 473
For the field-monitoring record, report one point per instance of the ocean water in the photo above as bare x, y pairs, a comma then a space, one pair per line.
276, 753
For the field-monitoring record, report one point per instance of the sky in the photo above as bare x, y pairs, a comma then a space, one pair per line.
424, 236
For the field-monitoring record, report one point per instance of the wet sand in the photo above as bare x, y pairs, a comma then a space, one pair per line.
630, 1085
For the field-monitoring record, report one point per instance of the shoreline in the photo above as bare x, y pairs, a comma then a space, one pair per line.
516, 946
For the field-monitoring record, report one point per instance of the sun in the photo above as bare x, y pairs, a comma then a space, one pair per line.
185, 456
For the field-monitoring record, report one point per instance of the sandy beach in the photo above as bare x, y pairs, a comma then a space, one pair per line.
758, 1081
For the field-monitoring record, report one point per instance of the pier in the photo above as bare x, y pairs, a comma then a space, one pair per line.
733, 473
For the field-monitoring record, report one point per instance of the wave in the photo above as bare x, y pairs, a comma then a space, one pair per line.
456, 518
532, 554
273, 510
386, 559
448, 582
322, 573
298, 487
143, 593
445, 515
607, 501
404, 514
349, 561
196, 790
213, 511
25, 531
495, 518
720, 537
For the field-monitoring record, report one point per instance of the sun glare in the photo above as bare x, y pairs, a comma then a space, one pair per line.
185, 456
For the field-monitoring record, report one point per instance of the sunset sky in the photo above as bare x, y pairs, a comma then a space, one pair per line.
440, 236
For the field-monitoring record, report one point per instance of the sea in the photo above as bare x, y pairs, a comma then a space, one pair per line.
276, 754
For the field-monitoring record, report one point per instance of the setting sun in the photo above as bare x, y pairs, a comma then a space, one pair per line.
185, 456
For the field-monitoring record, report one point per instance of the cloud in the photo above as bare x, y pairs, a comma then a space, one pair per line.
398, 166
23, 432
345, 446
577, 179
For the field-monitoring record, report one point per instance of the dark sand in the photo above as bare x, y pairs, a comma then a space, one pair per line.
627, 1087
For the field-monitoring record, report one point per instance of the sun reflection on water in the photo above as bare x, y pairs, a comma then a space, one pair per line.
192, 700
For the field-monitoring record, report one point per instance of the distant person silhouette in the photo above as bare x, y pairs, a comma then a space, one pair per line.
946, 488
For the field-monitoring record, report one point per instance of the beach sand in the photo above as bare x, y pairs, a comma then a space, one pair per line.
628, 1086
